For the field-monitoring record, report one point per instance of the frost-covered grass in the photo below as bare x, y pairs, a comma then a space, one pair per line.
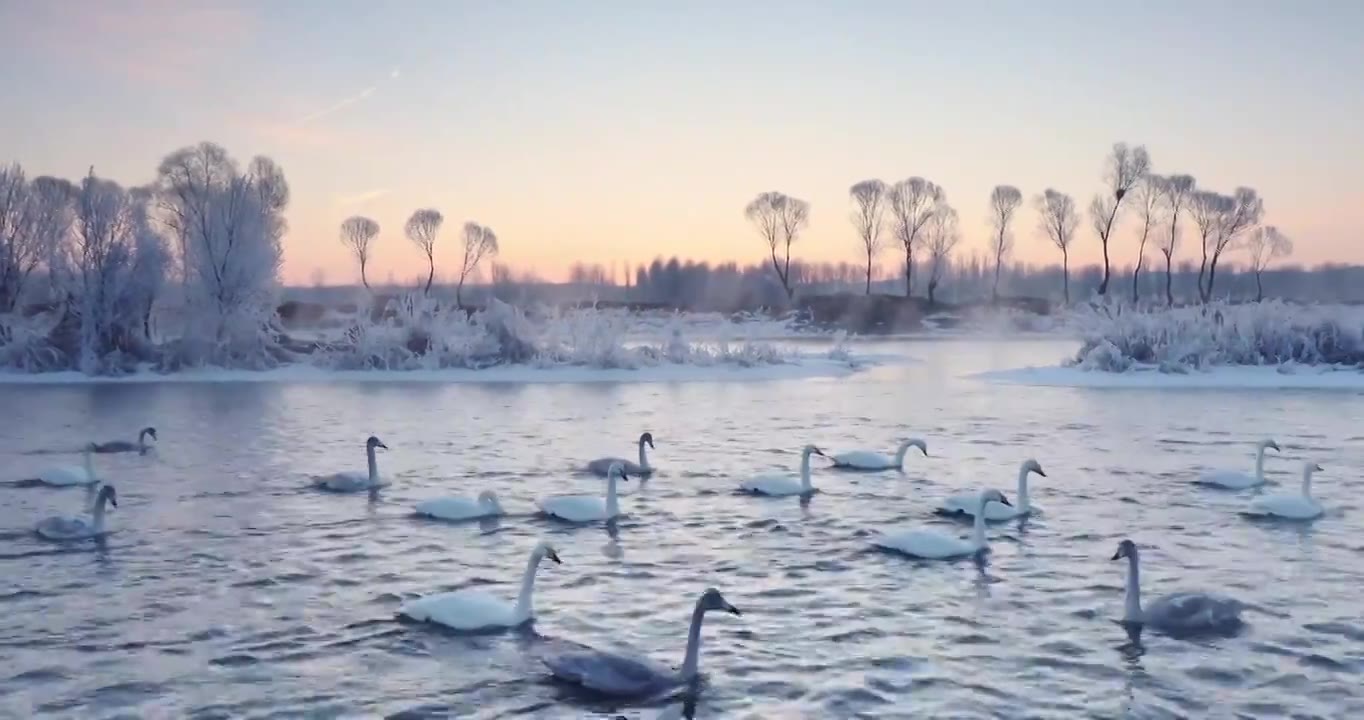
1180, 340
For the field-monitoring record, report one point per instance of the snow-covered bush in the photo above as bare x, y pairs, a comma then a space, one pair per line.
1179, 339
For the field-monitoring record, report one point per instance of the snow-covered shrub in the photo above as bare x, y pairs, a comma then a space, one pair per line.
1179, 339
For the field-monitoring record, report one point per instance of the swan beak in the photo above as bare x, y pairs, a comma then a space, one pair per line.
382, 446
1318, 468
1039, 472
555, 557
1005, 501
1274, 445
651, 444
732, 610
817, 451
1117, 555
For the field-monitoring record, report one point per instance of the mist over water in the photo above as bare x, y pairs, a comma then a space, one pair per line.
230, 588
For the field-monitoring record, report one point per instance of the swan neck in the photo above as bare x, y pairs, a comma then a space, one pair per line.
900, 455
978, 526
1023, 490
643, 456
693, 657
1132, 609
525, 607
97, 515
1260, 463
805, 471
612, 503
1307, 482
373, 465
88, 459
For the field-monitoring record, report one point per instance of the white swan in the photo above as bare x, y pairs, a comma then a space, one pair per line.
1236, 480
588, 508
1182, 613
965, 503
602, 466
71, 475
784, 485
628, 676
1290, 506
461, 508
76, 528
473, 610
868, 460
354, 481
932, 545
141, 445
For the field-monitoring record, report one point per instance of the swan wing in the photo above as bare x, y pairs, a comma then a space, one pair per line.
959, 503
461, 610
66, 476
610, 673
452, 508
1229, 479
1194, 611
61, 528
862, 460
924, 544
775, 485
1293, 507
115, 446
577, 508
344, 482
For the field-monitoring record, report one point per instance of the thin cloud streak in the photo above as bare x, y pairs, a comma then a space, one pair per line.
340, 105
361, 198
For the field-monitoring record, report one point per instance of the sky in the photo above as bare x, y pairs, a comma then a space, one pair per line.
614, 132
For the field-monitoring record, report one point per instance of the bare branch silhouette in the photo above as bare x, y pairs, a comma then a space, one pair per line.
779, 219
479, 242
912, 202
1125, 167
1176, 190
1004, 202
869, 198
1265, 244
422, 229
1059, 220
356, 234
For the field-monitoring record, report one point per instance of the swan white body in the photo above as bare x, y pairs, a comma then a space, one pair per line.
587, 508
77, 528
1290, 506
461, 508
932, 545
473, 610
141, 445
602, 466
630, 676
1182, 613
965, 503
354, 481
72, 475
1236, 480
784, 485
870, 461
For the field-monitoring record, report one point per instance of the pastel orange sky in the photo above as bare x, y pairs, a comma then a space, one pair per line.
614, 132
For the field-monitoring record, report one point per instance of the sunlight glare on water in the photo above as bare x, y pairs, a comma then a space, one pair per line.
230, 588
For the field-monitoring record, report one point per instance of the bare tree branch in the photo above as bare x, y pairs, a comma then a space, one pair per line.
1124, 168
357, 232
479, 242
1265, 244
1004, 201
942, 240
1176, 190
779, 220
869, 199
1059, 218
912, 202
1150, 199
422, 229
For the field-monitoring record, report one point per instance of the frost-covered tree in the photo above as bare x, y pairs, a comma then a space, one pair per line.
479, 242
1004, 202
1123, 169
1221, 221
1150, 200
34, 217
869, 207
226, 226
422, 229
1176, 190
152, 261
780, 220
943, 236
1264, 245
104, 244
1059, 218
357, 233
912, 202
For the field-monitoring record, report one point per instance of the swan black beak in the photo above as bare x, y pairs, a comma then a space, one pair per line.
382, 446
1117, 555
732, 610
1039, 472
817, 451
1005, 501
555, 557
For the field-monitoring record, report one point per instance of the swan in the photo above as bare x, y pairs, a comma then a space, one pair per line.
1290, 506
75, 528
784, 485
472, 610
931, 545
141, 445
1182, 613
1236, 480
624, 675
588, 508
462, 508
354, 481
868, 460
70, 475
602, 466
965, 503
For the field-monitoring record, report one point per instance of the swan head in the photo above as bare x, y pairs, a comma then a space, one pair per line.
90, 447
374, 442
1269, 444
915, 442
1126, 548
647, 439
992, 495
489, 498
545, 551
107, 492
1310, 467
149, 432
616, 472
711, 599
1032, 466
811, 450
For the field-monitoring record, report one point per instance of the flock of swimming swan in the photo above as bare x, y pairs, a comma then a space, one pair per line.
472, 610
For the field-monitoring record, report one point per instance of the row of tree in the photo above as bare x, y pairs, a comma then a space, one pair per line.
423, 227
103, 254
915, 212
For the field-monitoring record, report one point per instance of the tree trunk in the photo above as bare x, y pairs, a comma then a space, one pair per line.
1259, 291
430, 275
932, 288
363, 281
994, 289
1212, 275
1065, 276
868, 271
1169, 282
459, 293
1103, 286
1136, 272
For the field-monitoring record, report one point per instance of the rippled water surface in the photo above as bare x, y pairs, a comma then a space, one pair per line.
231, 589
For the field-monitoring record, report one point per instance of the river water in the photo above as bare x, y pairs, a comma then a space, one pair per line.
230, 589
